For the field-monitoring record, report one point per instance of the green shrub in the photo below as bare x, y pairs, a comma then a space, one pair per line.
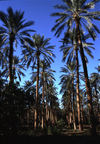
61, 123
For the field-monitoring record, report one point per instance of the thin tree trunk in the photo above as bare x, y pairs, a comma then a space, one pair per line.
51, 115
81, 113
78, 96
70, 109
97, 99
13, 73
10, 59
47, 115
36, 99
88, 90
28, 116
74, 123
42, 100
97, 109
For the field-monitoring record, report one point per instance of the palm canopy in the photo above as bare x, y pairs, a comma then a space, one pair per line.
38, 46
13, 30
48, 73
14, 26
95, 78
70, 44
45, 67
17, 68
29, 86
69, 68
66, 79
76, 10
2, 55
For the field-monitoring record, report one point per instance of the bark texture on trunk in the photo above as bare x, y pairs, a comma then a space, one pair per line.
74, 123
78, 96
97, 99
70, 109
36, 98
88, 90
42, 100
51, 111
82, 113
10, 59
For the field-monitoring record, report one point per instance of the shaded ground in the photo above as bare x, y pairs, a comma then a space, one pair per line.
53, 139
66, 136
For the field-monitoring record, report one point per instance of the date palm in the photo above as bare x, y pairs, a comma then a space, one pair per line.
38, 48
2, 55
77, 13
45, 69
95, 80
52, 93
13, 31
66, 86
70, 52
70, 69
48, 79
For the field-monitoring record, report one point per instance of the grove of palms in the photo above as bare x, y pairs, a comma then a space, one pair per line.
34, 107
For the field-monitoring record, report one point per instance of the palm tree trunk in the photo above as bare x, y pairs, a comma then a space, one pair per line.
47, 115
42, 100
13, 116
36, 98
97, 102
74, 123
81, 113
88, 89
28, 116
51, 112
78, 96
10, 61
70, 109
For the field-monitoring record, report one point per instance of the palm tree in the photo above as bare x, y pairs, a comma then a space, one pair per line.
48, 79
70, 51
45, 68
13, 30
52, 93
70, 69
38, 48
76, 13
95, 80
30, 89
66, 86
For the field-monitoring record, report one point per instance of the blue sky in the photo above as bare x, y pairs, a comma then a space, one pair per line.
39, 11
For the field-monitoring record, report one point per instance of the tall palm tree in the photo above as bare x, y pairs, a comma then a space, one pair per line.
48, 79
78, 14
71, 70
70, 51
38, 48
45, 68
95, 80
13, 31
52, 93
66, 86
